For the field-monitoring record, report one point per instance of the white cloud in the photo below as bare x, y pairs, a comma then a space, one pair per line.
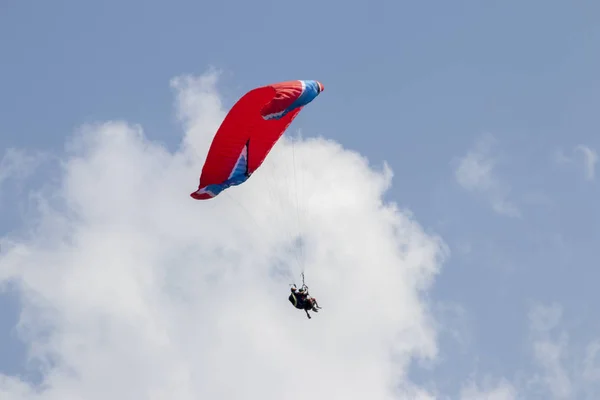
591, 370
132, 290
559, 370
549, 352
590, 158
500, 390
566, 369
18, 164
475, 173
584, 156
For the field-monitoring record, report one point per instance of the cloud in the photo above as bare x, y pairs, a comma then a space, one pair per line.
565, 369
591, 370
17, 164
501, 390
132, 290
561, 368
549, 352
590, 158
475, 173
583, 155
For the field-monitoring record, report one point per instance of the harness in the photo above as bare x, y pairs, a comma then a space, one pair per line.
294, 300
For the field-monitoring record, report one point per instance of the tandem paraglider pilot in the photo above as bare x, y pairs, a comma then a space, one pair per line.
303, 301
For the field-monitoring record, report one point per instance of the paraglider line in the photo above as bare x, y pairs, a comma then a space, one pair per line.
301, 256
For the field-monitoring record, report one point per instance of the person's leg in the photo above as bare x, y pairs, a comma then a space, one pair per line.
315, 305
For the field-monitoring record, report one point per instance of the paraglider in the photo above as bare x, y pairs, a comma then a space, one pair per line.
246, 136
302, 300
249, 132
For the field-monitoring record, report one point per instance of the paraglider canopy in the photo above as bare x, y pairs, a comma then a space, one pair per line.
249, 132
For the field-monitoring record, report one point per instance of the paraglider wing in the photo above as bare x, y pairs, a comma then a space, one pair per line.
249, 132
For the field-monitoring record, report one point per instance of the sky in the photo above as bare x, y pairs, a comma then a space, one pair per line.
443, 187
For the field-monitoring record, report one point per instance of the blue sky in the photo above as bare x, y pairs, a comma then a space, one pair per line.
485, 111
